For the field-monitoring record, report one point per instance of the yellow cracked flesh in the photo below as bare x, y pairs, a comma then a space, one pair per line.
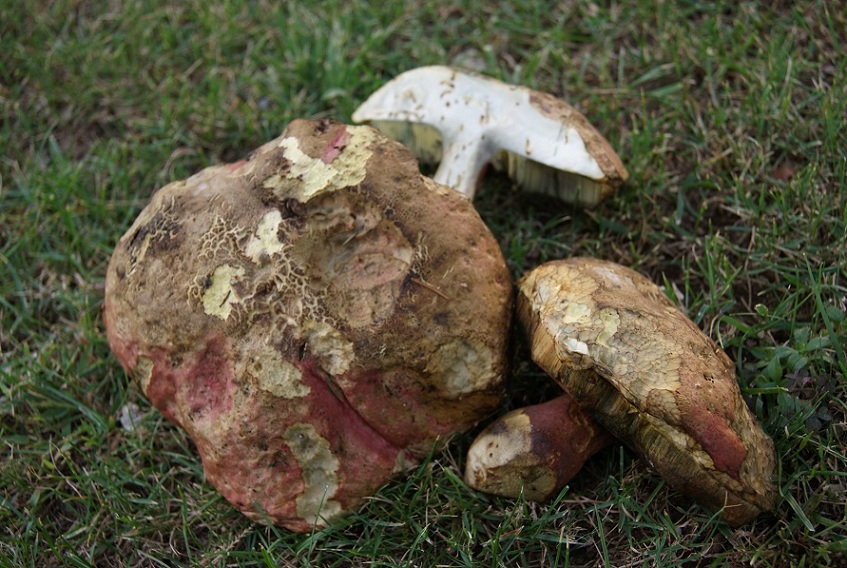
141, 251
265, 241
611, 320
219, 298
463, 366
143, 372
276, 375
159, 206
685, 442
332, 350
349, 168
585, 334
319, 472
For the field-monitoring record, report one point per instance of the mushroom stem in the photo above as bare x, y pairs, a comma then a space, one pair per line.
534, 451
465, 157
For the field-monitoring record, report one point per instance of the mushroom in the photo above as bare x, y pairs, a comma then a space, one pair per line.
465, 121
644, 371
315, 317
534, 451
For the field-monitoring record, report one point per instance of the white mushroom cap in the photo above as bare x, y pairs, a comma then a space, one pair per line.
467, 120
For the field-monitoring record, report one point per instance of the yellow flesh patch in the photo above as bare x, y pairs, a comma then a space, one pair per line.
318, 468
143, 372
219, 297
611, 320
462, 366
332, 350
265, 241
315, 175
278, 376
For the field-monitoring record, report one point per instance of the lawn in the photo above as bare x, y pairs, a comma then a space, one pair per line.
732, 121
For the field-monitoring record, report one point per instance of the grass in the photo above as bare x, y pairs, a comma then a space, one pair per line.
731, 120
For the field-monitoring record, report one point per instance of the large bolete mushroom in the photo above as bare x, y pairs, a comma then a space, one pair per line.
314, 317
645, 372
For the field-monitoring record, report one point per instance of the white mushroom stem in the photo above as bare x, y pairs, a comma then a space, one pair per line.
543, 143
465, 155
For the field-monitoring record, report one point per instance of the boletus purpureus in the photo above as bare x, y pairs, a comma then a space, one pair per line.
315, 317
634, 363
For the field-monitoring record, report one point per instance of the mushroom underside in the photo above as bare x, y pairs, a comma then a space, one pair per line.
464, 121
426, 142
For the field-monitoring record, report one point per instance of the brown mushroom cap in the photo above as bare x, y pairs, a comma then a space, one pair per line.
314, 317
645, 372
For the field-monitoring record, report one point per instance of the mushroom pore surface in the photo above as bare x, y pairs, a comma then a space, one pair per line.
315, 317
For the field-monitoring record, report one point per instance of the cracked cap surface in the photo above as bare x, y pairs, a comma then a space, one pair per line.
315, 317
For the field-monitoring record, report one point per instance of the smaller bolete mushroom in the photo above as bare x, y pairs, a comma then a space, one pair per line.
645, 372
466, 121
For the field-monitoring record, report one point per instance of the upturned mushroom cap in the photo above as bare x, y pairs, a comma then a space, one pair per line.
466, 121
652, 378
534, 451
315, 317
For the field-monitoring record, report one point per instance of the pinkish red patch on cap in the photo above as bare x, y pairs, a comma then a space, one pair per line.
205, 379
717, 438
235, 165
334, 149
